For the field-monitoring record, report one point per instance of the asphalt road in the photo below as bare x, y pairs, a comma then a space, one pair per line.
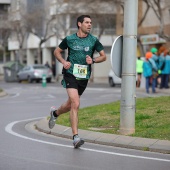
24, 148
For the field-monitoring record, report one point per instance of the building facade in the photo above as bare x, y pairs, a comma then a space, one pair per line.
62, 21
4, 32
55, 19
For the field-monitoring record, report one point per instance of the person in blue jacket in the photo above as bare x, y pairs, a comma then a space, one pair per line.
161, 58
165, 70
160, 64
148, 67
155, 57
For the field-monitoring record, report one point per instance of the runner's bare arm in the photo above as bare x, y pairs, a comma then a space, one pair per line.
101, 58
98, 59
58, 55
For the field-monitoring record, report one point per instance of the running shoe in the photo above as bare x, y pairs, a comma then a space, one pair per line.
77, 141
52, 120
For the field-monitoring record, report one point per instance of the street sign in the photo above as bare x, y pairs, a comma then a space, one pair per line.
116, 56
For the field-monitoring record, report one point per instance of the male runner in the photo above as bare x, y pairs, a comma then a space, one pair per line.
76, 71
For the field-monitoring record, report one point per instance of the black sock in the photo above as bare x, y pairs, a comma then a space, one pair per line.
54, 114
74, 135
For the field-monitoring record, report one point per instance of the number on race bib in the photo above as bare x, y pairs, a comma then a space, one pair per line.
80, 71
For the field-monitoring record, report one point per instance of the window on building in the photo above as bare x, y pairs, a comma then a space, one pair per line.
3, 7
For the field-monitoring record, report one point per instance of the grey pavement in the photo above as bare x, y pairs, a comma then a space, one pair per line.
146, 144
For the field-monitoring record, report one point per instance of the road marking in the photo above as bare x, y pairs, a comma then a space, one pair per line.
9, 130
15, 95
42, 100
51, 96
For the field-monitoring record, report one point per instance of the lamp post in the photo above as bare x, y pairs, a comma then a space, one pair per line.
128, 88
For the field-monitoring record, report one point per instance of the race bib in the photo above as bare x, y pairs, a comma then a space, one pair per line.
80, 71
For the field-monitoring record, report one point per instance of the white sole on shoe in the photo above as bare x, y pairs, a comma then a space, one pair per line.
78, 144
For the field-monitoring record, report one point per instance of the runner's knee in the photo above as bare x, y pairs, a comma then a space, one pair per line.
75, 105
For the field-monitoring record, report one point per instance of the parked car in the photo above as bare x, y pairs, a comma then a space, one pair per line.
34, 73
113, 79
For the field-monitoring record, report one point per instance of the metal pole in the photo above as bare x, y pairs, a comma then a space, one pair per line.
128, 88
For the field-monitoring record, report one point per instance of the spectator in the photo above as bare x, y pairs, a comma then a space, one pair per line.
148, 66
165, 71
161, 62
155, 57
54, 68
47, 64
161, 58
139, 70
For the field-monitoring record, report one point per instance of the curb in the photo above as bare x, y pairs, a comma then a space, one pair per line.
145, 144
3, 93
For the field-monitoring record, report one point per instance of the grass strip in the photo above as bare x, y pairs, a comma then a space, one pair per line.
152, 118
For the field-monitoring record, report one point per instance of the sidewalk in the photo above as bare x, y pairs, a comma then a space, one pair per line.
2, 93
146, 144
1, 77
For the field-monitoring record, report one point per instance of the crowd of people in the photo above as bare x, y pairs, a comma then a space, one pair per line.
155, 68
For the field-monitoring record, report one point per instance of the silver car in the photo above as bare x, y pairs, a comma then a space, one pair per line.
34, 73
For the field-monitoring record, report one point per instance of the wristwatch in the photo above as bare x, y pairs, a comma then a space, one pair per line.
94, 60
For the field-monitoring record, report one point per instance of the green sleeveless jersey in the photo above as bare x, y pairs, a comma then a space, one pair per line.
78, 48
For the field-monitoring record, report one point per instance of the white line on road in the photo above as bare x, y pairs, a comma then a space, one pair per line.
51, 96
9, 127
16, 95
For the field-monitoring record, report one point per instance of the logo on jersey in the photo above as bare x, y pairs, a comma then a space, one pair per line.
86, 49
77, 48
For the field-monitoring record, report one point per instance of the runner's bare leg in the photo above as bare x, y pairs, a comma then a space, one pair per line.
75, 102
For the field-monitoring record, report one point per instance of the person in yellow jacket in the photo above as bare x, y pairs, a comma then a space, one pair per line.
139, 70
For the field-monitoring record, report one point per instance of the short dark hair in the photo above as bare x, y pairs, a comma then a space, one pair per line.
81, 19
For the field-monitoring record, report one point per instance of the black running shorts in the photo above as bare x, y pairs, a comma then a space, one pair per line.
69, 81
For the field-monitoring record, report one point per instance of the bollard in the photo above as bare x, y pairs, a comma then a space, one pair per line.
44, 81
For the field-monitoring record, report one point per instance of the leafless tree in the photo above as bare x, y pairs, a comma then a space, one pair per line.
18, 30
158, 9
156, 6
38, 23
95, 8
45, 26
4, 34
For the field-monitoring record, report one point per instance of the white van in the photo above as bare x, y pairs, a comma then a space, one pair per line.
113, 79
